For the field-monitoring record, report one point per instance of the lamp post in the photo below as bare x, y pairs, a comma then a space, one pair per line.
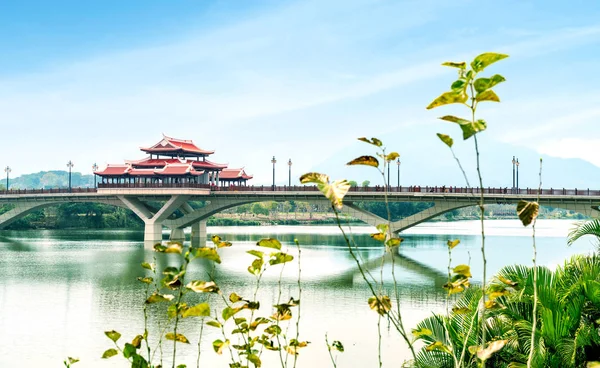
7, 170
398, 163
290, 172
273, 161
70, 166
517, 164
513, 182
388, 175
94, 169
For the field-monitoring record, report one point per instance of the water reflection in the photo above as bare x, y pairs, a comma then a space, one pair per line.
60, 289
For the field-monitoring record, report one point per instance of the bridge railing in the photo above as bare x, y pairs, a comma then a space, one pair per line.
311, 188
48, 191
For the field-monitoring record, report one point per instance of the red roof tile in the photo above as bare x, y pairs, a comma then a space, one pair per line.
168, 144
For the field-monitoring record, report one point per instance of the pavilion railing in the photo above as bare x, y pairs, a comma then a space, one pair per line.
306, 188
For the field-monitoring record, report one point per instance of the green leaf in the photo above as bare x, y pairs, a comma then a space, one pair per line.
383, 228
378, 236
593, 365
394, 242
335, 192
488, 95
463, 310
313, 177
458, 85
146, 280
364, 160
178, 337
199, 310
454, 119
214, 324
216, 239
269, 243
174, 248
453, 243
421, 332
381, 304
254, 359
234, 298
438, 345
137, 341
129, 350
482, 84
220, 345
446, 139
208, 253
373, 141
256, 253
258, 321
229, 312
148, 266
279, 258
448, 98
203, 286
463, 270
256, 267
527, 211
159, 248
486, 59
157, 298
461, 65
469, 129
392, 156
494, 346
113, 335
273, 330
337, 345
72, 360
109, 353
224, 244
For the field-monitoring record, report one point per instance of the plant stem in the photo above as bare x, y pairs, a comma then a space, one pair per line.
299, 298
333, 361
199, 342
482, 210
535, 275
179, 297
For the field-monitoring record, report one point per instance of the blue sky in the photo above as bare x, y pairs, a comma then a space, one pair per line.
93, 81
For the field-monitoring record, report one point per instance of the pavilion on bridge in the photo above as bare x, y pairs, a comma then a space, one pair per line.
173, 161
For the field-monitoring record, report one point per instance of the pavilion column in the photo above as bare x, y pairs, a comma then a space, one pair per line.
218, 182
199, 234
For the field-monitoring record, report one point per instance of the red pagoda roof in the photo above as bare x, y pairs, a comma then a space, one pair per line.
173, 169
168, 144
233, 174
114, 170
147, 162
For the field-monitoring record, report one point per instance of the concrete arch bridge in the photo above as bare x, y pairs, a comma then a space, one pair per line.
176, 199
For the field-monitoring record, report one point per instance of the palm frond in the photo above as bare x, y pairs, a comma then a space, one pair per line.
591, 227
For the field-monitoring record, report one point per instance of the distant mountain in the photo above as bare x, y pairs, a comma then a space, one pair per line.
51, 180
432, 164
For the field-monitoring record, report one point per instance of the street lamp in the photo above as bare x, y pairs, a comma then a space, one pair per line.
273, 161
70, 166
398, 163
517, 164
7, 170
94, 169
513, 183
290, 173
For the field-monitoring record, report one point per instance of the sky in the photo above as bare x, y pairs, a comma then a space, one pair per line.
92, 82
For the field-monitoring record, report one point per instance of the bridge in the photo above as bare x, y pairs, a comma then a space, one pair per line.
176, 198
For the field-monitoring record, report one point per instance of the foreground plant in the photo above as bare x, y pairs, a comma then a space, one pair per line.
468, 90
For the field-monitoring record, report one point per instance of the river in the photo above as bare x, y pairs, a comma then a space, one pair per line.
59, 290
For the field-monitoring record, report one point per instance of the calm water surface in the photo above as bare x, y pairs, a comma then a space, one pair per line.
59, 290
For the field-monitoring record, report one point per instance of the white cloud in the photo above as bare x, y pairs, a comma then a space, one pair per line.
586, 149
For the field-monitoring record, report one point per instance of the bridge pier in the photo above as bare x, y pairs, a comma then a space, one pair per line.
177, 234
152, 234
199, 234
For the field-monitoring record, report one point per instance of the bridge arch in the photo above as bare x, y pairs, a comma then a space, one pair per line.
22, 209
